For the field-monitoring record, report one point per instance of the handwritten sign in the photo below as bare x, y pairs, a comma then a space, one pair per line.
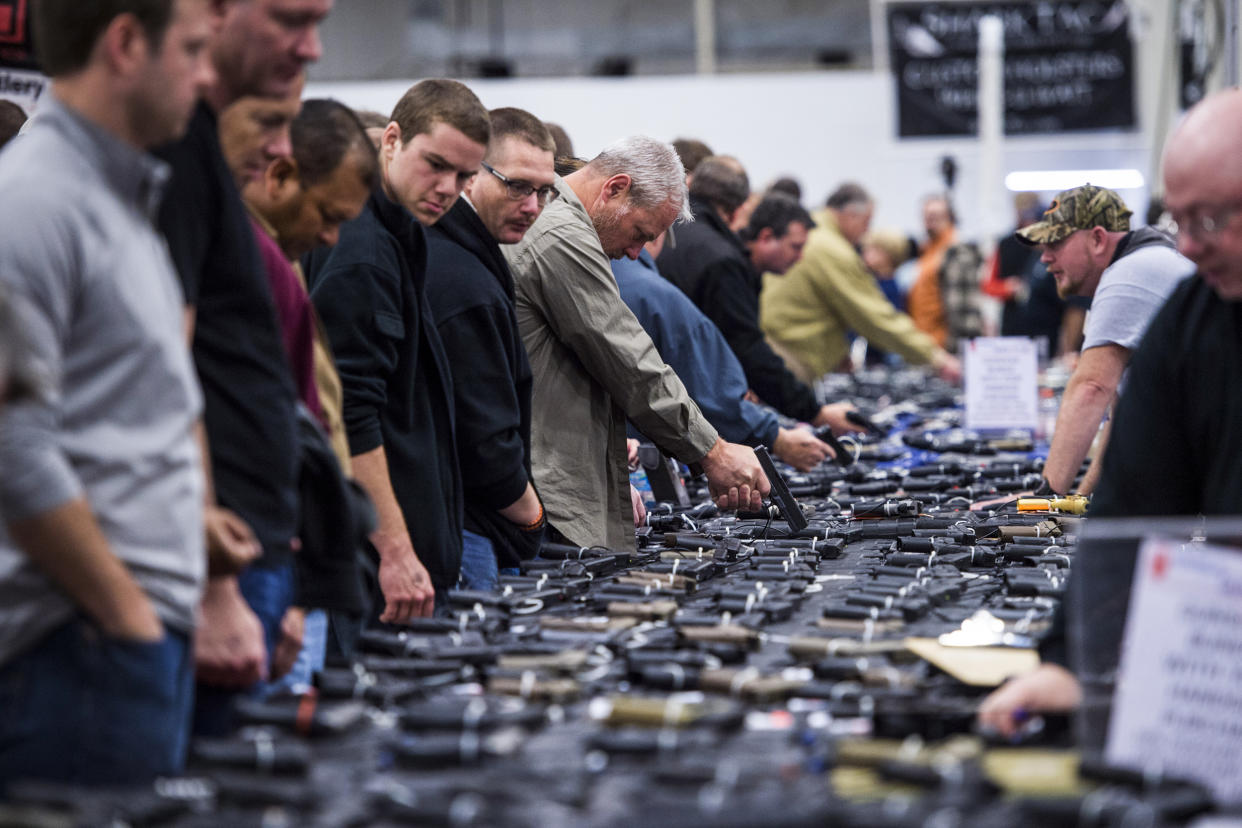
1177, 709
1001, 374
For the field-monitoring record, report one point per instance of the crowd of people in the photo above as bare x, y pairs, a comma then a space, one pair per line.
274, 370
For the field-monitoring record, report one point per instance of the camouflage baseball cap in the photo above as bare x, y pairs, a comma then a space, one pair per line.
1078, 209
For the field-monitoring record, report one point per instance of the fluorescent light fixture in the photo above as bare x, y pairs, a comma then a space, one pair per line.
1051, 181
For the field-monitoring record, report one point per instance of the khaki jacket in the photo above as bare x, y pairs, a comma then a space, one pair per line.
829, 292
593, 367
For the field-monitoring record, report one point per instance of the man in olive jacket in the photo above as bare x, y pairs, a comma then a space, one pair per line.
808, 311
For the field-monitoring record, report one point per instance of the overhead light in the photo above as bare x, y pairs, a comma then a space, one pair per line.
1050, 181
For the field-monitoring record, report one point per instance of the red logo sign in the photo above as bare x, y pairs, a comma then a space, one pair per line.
13, 22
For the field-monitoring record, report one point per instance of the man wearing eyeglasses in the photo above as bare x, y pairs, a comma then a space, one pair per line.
1089, 249
470, 291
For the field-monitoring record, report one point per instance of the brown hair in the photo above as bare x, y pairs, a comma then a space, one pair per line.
441, 101
65, 31
510, 122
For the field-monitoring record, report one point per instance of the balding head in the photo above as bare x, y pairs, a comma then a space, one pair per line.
1203, 190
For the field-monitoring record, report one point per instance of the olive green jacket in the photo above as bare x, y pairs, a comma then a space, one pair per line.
593, 366
829, 292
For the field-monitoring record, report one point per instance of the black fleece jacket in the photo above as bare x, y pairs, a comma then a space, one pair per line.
711, 266
470, 292
370, 292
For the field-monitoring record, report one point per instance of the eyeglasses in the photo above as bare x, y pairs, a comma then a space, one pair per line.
519, 190
1204, 224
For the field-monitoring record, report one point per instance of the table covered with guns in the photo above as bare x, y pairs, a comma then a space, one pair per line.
816, 663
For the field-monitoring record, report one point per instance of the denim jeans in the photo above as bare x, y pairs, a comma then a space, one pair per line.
82, 708
310, 657
478, 563
269, 592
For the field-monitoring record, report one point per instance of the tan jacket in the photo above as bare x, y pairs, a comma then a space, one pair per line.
808, 311
593, 366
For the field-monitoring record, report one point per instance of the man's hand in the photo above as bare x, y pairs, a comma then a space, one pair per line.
1048, 688
640, 511
800, 448
631, 453
231, 546
292, 634
947, 366
834, 416
403, 579
734, 476
137, 622
228, 644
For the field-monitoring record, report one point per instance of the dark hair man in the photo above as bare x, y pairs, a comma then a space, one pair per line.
1089, 249
714, 268
100, 586
339, 183
830, 292
594, 366
370, 291
470, 291
260, 48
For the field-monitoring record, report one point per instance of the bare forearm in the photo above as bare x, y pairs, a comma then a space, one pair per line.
371, 470
525, 510
68, 546
1082, 408
1092, 476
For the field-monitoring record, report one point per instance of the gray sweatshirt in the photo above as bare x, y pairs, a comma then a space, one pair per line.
97, 296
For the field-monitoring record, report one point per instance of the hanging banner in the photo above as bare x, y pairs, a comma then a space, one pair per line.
20, 79
1068, 66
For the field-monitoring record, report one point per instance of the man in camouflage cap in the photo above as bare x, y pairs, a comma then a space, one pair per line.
1091, 252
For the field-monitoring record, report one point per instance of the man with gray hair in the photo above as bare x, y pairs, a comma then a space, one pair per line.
593, 364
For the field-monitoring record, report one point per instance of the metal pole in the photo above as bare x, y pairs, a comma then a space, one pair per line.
705, 36
991, 108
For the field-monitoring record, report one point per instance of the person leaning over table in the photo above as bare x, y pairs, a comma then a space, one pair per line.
830, 292
1177, 433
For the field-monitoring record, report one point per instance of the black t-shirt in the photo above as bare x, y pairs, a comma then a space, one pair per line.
1177, 433
248, 392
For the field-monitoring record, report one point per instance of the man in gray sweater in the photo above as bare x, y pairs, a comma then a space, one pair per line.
101, 547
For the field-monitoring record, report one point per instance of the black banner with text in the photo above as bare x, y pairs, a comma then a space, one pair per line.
1068, 66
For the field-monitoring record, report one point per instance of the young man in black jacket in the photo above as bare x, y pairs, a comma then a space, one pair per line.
470, 290
714, 268
370, 291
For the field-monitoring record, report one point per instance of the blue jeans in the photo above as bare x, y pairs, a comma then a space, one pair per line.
478, 563
82, 708
310, 657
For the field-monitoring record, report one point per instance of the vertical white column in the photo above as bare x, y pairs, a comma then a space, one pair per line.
705, 36
991, 107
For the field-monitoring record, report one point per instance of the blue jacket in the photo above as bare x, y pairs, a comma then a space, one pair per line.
694, 347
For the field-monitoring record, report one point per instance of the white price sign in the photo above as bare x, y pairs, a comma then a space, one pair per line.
1178, 704
1001, 376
